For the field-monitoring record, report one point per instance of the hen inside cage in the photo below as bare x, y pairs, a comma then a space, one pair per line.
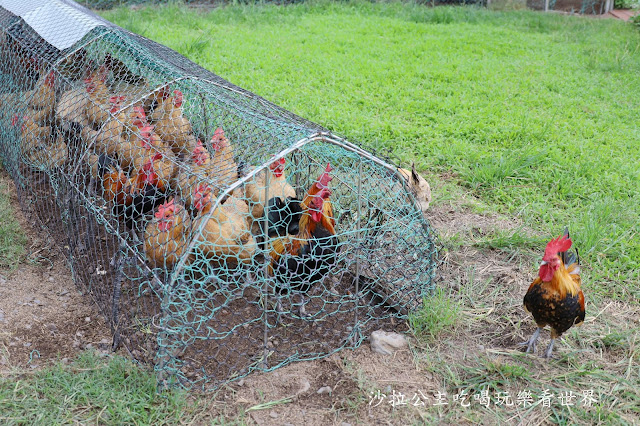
217, 233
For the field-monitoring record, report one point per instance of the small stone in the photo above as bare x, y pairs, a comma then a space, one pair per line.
345, 424
481, 347
65, 360
241, 382
324, 389
105, 341
386, 343
52, 279
38, 302
388, 389
273, 414
304, 386
87, 319
88, 346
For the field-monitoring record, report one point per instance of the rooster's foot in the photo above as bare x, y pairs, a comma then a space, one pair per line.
547, 353
532, 342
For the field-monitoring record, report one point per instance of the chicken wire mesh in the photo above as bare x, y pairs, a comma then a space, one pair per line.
217, 233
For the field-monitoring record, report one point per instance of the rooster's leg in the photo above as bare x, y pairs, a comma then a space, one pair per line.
531, 343
547, 353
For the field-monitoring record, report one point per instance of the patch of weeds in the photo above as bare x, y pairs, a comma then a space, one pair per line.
439, 312
12, 238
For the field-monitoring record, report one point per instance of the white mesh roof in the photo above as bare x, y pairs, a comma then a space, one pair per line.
58, 22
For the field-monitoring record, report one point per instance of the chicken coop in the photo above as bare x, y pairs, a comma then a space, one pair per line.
217, 233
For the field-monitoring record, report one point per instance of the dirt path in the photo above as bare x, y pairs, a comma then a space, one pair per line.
43, 317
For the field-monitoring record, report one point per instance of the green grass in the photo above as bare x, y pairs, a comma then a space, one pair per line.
12, 237
91, 390
439, 313
535, 114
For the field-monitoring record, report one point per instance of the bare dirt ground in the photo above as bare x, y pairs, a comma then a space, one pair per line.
43, 317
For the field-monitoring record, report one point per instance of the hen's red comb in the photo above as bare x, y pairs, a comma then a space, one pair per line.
219, 133
177, 98
115, 102
168, 207
218, 141
118, 99
164, 92
145, 130
325, 178
139, 110
557, 245
202, 189
201, 193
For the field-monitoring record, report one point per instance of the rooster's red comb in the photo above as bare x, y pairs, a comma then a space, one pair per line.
277, 162
325, 178
324, 193
557, 245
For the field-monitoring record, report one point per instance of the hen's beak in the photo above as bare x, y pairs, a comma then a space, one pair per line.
543, 263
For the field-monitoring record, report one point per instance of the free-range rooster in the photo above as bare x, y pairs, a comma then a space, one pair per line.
555, 297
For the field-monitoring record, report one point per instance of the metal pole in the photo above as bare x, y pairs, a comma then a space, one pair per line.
356, 330
267, 261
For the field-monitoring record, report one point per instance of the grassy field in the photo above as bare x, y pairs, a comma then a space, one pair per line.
522, 115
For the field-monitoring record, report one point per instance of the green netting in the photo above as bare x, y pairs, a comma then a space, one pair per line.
218, 233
